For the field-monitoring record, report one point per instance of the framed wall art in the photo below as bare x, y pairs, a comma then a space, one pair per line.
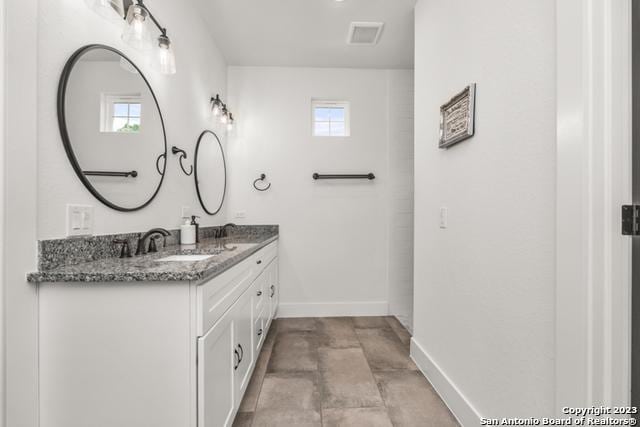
457, 117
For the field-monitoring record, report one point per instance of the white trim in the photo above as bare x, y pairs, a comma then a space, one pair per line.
593, 181
20, 215
370, 308
450, 394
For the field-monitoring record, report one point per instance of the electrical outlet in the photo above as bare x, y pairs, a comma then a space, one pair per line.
79, 220
241, 214
444, 217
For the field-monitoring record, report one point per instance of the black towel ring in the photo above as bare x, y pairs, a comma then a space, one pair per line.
262, 178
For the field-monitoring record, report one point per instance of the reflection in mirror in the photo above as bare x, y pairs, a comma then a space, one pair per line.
210, 172
112, 128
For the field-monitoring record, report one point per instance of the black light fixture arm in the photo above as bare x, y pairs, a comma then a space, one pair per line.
162, 29
183, 155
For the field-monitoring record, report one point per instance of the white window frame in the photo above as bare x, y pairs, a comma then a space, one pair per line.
323, 103
106, 109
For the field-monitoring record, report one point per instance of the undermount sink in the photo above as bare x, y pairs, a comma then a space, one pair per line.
185, 258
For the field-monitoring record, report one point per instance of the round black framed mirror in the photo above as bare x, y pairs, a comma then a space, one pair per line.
210, 172
112, 127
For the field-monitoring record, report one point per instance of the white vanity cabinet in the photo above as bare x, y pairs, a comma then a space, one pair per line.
161, 354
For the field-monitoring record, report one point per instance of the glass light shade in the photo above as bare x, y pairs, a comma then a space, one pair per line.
225, 116
136, 28
216, 107
112, 10
166, 57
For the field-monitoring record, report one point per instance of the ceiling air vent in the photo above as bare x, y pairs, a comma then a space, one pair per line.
365, 33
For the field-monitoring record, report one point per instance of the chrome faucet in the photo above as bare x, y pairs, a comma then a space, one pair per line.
141, 250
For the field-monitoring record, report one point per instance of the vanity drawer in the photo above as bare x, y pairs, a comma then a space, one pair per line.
265, 255
218, 295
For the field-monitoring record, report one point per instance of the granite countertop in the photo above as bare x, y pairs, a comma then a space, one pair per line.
147, 268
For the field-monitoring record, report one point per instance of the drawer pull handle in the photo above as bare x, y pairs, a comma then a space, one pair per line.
273, 290
241, 353
236, 359
259, 261
259, 293
260, 332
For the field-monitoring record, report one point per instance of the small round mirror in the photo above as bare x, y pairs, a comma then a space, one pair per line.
210, 171
112, 128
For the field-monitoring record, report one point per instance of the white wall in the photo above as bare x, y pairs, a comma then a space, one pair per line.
400, 134
334, 234
485, 287
65, 26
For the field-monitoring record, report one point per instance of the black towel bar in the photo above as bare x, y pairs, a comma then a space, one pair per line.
369, 176
131, 174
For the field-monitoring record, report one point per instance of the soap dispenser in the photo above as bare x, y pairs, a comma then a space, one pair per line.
197, 226
187, 233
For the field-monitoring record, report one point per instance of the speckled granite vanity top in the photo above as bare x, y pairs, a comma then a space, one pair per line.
148, 268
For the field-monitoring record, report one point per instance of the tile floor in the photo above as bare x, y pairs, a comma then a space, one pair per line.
346, 372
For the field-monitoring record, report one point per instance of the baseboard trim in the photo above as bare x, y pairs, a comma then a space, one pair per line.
459, 405
372, 308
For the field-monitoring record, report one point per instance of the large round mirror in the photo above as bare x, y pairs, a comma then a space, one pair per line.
112, 128
210, 172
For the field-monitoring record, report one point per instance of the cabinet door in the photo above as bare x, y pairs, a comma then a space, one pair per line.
216, 361
243, 343
273, 287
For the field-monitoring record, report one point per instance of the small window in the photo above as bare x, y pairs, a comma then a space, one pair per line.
330, 118
121, 113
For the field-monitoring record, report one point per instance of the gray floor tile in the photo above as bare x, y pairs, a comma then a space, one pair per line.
411, 401
346, 380
294, 351
337, 332
297, 324
384, 350
356, 417
289, 399
400, 330
296, 391
243, 419
286, 418
371, 322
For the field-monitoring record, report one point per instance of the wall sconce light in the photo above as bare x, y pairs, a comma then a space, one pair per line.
219, 110
137, 32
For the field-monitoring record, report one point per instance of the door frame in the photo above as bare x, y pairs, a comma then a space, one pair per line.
3, 136
593, 277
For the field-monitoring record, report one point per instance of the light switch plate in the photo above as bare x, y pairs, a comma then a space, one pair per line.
444, 217
79, 220
186, 212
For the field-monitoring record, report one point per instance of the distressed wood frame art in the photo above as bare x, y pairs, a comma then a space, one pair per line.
457, 117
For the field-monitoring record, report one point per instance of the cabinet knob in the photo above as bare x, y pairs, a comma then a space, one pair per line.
260, 332
259, 293
259, 261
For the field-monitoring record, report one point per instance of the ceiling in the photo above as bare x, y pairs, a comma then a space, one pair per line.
309, 33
